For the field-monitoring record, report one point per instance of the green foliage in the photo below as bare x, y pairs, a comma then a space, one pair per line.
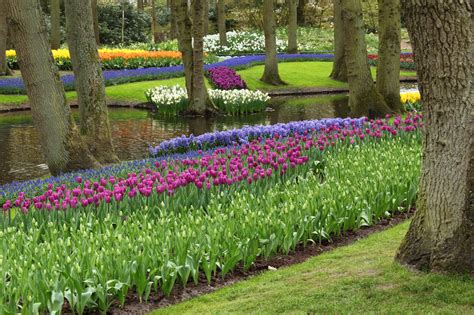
137, 24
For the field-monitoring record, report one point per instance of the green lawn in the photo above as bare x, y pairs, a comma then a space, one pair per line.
361, 278
296, 74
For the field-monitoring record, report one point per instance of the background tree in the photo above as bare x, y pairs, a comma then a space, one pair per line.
270, 74
140, 6
60, 140
3, 37
221, 20
301, 17
89, 81
441, 235
154, 24
339, 68
55, 24
293, 26
95, 21
205, 20
364, 100
388, 63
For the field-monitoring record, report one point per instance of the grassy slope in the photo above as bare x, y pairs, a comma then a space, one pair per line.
360, 278
296, 74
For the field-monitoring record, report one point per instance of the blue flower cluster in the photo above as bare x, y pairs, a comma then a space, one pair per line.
112, 77
243, 135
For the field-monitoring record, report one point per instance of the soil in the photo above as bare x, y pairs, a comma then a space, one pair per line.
301, 254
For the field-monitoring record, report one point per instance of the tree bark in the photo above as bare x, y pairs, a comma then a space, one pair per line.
3, 37
55, 24
173, 24
221, 20
301, 15
185, 40
441, 235
89, 81
154, 24
62, 145
364, 100
388, 63
270, 74
95, 19
293, 27
140, 6
339, 68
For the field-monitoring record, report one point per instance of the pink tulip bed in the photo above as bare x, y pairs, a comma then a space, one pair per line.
92, 238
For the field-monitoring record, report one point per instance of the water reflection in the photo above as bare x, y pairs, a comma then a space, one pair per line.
135, 130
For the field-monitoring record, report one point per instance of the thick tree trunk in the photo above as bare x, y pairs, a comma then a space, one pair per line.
221, 20
60, 140
364, 100
185, 40
3, 37
293, 27
140, 6
441, 236
270, 74
89, 80
301, 14
173, 25
154, 24
95, 19
388, 63
55, 24
339, 69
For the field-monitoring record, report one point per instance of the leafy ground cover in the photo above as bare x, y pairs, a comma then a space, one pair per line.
357, 279
216, 210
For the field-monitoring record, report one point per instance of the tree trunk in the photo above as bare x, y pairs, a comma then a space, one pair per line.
89, 80
339, 69
388, 63
185, 40
293, 27
364, 100
221, 20
205, 19
60, 140
154, 24
173, 24
140, 6
3, 37
270, 74
95, 19
55, 24
301, 15
441, 235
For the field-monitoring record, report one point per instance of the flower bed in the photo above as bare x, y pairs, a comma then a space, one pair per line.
224, 78
240, 43
411, 99
113, 77
173, 100
93, 241
406, 61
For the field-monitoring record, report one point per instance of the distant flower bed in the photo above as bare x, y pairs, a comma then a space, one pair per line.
239, 43
224, 78
113, 77
406, 61
411, 99
173, 100
114, 59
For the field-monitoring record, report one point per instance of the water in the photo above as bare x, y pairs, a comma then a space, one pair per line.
134, 130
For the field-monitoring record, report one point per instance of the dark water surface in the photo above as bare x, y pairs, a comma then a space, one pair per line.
135, 130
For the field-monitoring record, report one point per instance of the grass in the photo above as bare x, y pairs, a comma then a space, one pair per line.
296, 74
360, 278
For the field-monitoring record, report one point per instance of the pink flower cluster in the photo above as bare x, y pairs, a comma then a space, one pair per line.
251, 162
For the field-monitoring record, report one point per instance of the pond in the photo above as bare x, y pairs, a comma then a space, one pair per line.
134, 130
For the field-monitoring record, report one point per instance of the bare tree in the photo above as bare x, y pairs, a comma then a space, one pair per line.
221, 20
62, 145
293, 26
364, 100
388, 63
55, 24
95, 21
3, 37
339, 68
441, 235
89, 80
270, 74
154, 23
